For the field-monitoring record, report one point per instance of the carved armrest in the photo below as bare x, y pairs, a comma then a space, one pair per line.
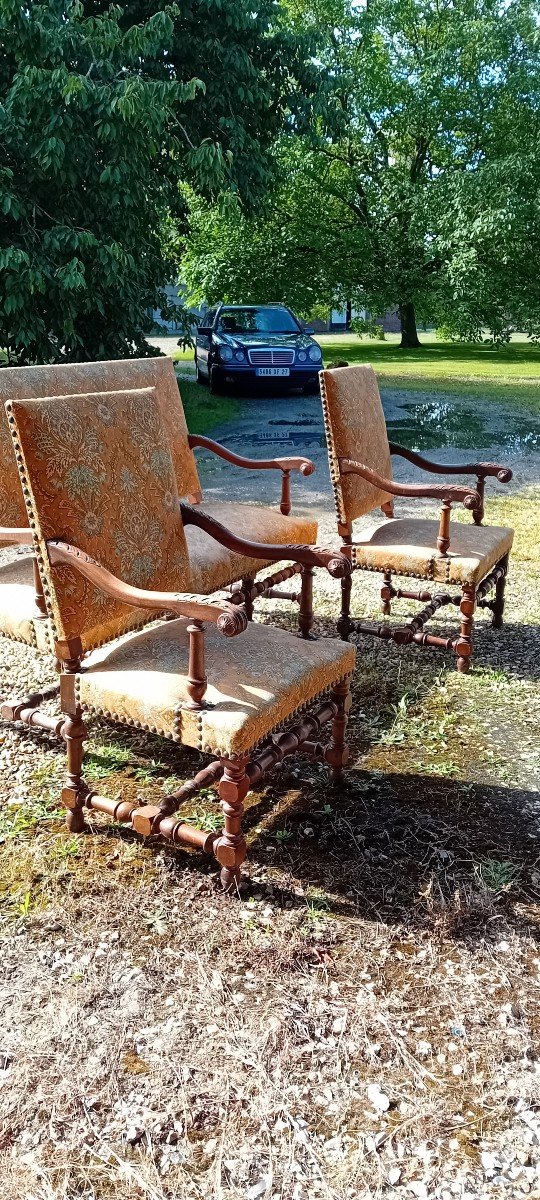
449, 493
304, 465
481, 470
229, 619
15, 537
336, 564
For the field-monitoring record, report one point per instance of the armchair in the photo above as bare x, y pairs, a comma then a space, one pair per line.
472, 556
109, 532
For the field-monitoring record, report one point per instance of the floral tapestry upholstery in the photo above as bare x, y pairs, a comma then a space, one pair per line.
409, 547
71, 379
355, 428
256, 681
97, 472
213, 566
19, 619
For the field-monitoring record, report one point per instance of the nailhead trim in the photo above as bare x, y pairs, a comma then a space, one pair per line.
205, 748
31, 520
333, 462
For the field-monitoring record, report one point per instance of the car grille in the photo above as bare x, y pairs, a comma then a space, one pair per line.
271, 358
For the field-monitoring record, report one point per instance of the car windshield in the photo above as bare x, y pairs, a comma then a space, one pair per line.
257, 320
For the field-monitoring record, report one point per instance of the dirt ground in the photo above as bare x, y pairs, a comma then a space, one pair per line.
363, 1021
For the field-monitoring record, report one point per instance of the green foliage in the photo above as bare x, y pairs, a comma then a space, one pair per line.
102, 111
80, 186
419, 191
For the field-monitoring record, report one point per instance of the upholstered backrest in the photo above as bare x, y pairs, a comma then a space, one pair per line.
355, 428
71, 379
97, 471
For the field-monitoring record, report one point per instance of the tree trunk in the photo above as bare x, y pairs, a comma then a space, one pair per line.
348, 315
409, 333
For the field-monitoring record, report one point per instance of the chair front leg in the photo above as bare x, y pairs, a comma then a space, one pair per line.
463, 644
230, 849
75, 791
305, 615
337, 754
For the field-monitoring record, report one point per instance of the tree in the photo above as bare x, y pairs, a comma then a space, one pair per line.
81, 131
257, 76
102, 111
392, 202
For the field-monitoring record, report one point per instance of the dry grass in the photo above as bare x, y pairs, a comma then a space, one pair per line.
161, 1041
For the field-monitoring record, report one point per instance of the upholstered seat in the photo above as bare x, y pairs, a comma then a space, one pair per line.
255, 682
213, 566
409, 547
19, 619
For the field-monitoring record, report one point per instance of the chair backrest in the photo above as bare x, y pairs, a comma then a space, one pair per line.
71, 379
355, 428
97, 471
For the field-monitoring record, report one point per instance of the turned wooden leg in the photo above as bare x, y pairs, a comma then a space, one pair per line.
247, 585
387, 592
230, 848
74, 791
305, 615
498, 605
337, 753
463, 644
344, 624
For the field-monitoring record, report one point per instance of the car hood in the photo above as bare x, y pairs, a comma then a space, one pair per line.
252, 341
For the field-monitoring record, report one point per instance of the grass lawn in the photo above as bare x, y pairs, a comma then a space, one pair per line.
469, 369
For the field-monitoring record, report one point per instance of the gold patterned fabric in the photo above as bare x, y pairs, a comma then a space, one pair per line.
256, 681
409, 547
19, 619
213, 566
355, 428
97, 472
71, 379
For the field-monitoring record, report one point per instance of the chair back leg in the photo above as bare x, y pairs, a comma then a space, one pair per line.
498, 603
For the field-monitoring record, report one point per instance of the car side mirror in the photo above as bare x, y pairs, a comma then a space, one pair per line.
309, 330
204, 329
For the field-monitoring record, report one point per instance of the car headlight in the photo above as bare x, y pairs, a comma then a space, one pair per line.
225, 353
239, 355
314, 353
302, 356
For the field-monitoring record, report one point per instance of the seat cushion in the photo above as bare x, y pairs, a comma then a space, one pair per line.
256, 681
409, 547
18, 614
213, 566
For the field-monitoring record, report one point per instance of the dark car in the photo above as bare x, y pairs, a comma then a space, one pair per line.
246, 344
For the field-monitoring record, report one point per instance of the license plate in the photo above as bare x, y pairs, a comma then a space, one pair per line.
272, 371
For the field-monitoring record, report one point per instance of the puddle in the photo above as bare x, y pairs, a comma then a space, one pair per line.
444, 427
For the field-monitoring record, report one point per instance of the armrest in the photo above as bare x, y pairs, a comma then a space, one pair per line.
449, 493
309, 556
229, 619
482, 470
15, 537
285, 465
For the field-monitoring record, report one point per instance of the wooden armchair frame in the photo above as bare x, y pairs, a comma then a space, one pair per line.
471, 596
247, 590
233, 776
